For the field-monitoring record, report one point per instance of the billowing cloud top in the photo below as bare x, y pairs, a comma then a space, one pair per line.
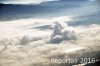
24, 1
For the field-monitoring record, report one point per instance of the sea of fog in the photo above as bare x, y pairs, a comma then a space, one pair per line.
32, 34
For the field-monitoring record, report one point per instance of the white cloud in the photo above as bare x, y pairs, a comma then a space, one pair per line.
25, 1
38, 48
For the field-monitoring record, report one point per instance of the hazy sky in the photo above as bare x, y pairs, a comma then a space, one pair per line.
24, 1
